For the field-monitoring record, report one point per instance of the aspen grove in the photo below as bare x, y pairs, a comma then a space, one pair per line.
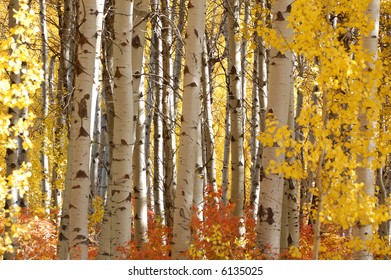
183, 129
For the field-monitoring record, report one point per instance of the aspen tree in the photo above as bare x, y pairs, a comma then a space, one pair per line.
290, 210
227, 126
366, 174
120, 184
236, 109
67, 24
279, 92
11, 159
107, 128
177, 65
259, 102
192, 85
168, 110
140, 176
157, 89
18, 81
210, 155
46, 187
86, 83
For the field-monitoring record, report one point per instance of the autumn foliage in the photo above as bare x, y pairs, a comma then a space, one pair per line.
221, 235
36, 237
216, 237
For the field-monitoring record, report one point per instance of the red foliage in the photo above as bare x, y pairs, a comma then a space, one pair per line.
157, 246
37, 237
333, 244
221, 235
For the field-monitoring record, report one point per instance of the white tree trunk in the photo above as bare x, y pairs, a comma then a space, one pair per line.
236, 110
140, 175
280, 90
107, 129
366, 175
258, 116
189, 127
11, 158
209, 142
46, 187
66, 85
123, 132
87, 66
290, 210
157, 89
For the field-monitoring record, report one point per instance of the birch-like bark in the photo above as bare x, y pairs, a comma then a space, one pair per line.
148, 126
198, 196
227, 152
366, 174
11, 158
140, 176
46, 188
279, 92
120, 185
208, 123
177, 67
157, 88
187, 169
290, 210
107, 128
258, 114
227, 124
95, 149
236, 110
168, 107
86, 84
65, 88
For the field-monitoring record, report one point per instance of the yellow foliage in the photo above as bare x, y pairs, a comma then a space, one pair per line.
15, 57
343, 87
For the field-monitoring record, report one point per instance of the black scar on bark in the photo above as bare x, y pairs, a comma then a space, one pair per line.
81, 174
136, 42
280, 16
83, 132
270, 215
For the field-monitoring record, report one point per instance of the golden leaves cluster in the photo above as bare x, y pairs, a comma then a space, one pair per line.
344, 122
19, 79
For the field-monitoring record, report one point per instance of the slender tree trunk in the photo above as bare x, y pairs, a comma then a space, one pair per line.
11, 159
90, 24
46, 188
290, 210
366, 174
208, 124
226, 157
177, 67
148, 125
140, 175
280, 89
227, 125
187, 169
236, 110
157, 88
168, 107
123, 131
67, 32
95, 150
107, 128
258, 114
